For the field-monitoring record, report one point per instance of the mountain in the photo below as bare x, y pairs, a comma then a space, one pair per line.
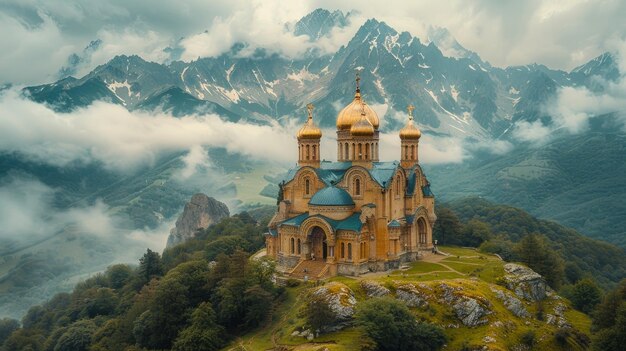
320, 22
199, 213
576, 180
459, 96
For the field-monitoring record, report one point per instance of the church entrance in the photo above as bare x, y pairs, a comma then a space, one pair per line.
318, 244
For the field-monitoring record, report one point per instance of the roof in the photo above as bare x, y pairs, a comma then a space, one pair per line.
331, 196
394, 224
352, 223
332, 172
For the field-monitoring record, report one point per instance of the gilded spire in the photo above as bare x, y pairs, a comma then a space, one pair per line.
410, 131
309, 130
357, 94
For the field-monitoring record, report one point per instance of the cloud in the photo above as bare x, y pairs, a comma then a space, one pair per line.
572, 108
123, 140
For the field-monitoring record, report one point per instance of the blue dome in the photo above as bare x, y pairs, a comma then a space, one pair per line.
331, 196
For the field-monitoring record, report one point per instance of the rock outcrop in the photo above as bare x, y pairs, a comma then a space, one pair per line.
411, 295
525, 282
199, 213
511, 303
373, 288
471, 311
340, 298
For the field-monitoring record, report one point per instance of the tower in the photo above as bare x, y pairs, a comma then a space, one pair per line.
409, 142
357, 132
309, 141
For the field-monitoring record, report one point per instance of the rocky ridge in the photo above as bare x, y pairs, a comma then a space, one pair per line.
199, 213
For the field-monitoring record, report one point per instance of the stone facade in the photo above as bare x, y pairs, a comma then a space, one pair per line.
359, 214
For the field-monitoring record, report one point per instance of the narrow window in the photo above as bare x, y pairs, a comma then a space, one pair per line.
353, 151
292, 246
308, 152
347, 153
343, 250
314, 155
307, 186
398, 186
349, 251
360, 151
298, 247
357, 187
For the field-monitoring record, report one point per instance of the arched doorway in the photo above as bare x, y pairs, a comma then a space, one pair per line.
422, 231
318, 243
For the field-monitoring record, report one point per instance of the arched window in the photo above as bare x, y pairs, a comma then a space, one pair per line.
399, 185
357, 187
307, 186
308, 152
349, 251
314, 153
343, 250
360, 151
353, 151
413, 152
299, 246
293, 248
346, 155
406, 152
367, 151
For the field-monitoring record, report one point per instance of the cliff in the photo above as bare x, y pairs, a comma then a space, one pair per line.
199, 213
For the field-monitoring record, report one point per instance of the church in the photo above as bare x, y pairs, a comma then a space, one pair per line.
358, 214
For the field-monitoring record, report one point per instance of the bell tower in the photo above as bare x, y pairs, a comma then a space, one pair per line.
309, 141
409, 142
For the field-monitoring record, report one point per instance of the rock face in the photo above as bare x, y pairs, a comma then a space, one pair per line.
471, 311
200, 212
373, 288
512, 303
411, 295
340, 299
525, 282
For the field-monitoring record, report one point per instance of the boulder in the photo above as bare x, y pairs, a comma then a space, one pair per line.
199, 213
471, 311
340, 299
525, 282
410, 295
373, 288
511, 303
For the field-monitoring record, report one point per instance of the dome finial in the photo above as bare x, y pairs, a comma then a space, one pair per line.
410, 108
309, 108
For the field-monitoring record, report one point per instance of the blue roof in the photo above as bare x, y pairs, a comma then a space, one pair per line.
352, 223
394, 224
331, 196
426, 190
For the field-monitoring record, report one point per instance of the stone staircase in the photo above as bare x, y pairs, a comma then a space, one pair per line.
311, 269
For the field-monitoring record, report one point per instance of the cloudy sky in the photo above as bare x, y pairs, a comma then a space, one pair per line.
40, 35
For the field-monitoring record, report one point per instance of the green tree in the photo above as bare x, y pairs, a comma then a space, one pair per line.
25, 340
316, 311
7, 326
475, 233
390, 324
150, 265
534, 252
609, 321
586, 295
257, 302
118, 275
77, 337
448, 228
204, 334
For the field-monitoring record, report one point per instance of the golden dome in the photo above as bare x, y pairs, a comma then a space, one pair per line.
362, 127
352, 113
309, 130
410, 131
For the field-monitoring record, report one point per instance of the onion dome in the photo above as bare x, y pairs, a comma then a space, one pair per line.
331, 196
351, 114
410, 131
362, 128
309, 130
